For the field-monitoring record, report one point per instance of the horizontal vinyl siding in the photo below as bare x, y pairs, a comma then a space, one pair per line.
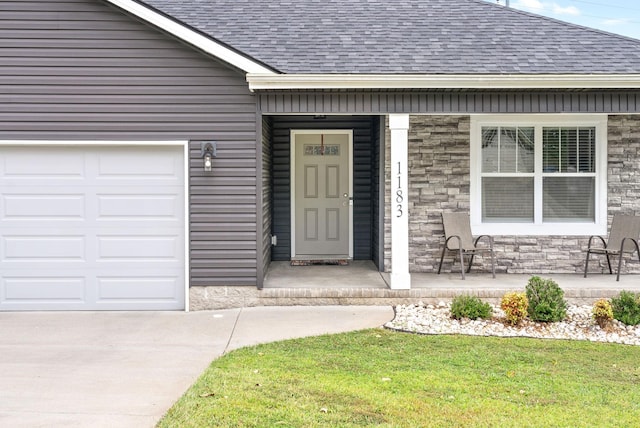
81, 70
370, 102
362, 175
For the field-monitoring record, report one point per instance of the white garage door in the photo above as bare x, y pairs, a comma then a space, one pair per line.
92, 228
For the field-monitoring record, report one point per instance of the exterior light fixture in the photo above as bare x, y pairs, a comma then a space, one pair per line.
208, 151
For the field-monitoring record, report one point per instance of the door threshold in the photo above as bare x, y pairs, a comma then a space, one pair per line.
320, 262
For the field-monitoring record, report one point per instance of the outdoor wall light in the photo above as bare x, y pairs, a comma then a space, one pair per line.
208, 151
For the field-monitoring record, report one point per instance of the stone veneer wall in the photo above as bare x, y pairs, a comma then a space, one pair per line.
439, 181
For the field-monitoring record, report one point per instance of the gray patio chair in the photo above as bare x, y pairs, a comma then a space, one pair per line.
623, 238
458, 238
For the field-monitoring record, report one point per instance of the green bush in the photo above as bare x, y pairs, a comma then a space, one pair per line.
602, 312
546, 300
470, 307
514, 306
626, 307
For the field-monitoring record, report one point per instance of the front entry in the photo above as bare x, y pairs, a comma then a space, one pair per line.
321, 194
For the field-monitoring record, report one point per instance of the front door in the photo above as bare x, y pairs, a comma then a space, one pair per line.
321, 193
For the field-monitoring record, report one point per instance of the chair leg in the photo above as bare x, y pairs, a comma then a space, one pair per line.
619, 266
441, 259
493, 263
586, 263
470, 262
461, 262
638, 251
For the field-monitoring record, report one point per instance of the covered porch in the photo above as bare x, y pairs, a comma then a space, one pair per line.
409, 168
360, 283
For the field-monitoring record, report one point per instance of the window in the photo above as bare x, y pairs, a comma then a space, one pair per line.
533, 175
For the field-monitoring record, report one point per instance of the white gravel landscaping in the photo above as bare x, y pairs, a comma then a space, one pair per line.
579, 325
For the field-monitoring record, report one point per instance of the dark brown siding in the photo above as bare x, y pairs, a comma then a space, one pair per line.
363, 160
369, 102
82, 70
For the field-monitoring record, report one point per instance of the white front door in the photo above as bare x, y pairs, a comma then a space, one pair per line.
321, 194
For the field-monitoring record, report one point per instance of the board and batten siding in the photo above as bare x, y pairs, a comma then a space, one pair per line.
83, 70
377, 203
363, 171
450, 102
267, 195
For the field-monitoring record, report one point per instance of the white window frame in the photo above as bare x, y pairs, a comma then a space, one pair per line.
598, 227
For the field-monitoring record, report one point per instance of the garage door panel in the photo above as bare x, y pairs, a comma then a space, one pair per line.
138, 206
30, 206
48, 248
59, 164
134, 288
148, 165
148, 248
49, 289
94, 227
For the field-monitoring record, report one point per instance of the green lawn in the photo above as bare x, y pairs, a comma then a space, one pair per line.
391, 379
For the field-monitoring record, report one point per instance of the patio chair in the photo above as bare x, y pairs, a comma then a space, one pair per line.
623, 238
458, 238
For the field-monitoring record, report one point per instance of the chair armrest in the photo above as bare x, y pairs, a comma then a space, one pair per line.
446, 243
490, 238
604, 243
634, 241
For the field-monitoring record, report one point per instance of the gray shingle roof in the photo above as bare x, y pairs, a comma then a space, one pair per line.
408, 36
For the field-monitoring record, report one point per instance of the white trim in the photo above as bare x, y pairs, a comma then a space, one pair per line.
442, 81
101, 143
598, 227
187, 216
292, 174
92, 143
400, 278
190, 36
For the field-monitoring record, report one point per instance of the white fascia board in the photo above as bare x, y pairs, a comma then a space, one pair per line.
442, 81
191, 37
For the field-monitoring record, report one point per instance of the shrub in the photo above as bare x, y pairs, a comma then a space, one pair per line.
546, 300
602, 313
626, 307
470, 307
515, 307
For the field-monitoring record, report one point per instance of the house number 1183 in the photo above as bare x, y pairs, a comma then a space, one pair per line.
399, 194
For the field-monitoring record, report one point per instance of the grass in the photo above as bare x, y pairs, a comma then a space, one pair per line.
391, 379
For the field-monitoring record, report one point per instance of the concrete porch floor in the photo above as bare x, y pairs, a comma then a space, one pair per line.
361, 283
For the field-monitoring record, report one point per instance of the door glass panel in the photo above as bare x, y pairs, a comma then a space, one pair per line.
321, 150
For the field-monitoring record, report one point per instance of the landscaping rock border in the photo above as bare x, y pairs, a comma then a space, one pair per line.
579, 325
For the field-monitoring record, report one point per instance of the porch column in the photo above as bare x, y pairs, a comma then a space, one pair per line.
399, 128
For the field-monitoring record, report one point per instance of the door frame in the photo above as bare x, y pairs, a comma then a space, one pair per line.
292, 165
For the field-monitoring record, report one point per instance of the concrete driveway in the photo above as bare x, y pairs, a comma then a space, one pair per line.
126, 369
